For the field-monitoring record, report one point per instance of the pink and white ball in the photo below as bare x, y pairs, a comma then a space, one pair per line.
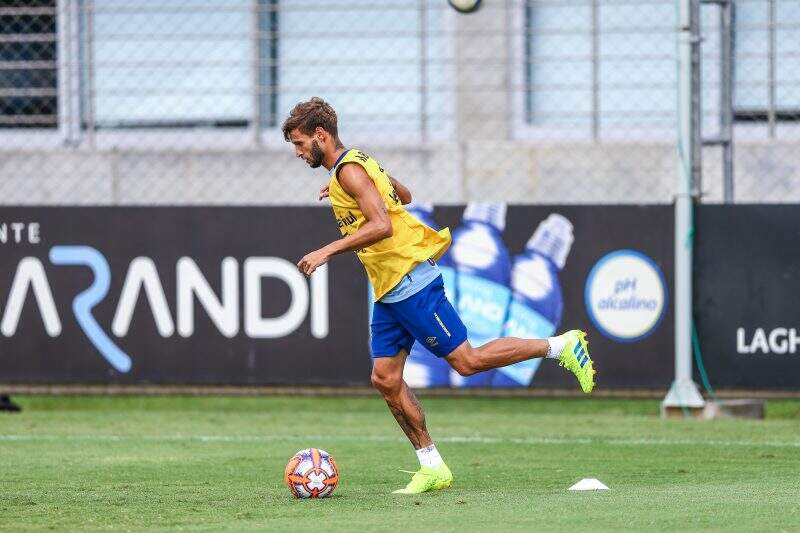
311, 473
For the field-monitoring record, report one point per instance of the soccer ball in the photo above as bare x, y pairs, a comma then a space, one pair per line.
311, 473
465, 6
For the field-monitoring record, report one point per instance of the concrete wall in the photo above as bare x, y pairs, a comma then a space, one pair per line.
518, 172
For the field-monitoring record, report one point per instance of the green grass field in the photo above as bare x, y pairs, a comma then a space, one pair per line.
209, 463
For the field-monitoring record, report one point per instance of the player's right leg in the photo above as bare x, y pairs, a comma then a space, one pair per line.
387, 378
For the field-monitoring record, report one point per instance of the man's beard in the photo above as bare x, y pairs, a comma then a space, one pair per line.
317, 155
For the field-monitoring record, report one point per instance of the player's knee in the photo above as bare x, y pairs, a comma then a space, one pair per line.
385, 383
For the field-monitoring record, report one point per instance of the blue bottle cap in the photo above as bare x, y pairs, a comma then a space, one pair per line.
492, 213
553, 238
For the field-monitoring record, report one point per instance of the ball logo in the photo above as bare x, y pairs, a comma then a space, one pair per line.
626, 295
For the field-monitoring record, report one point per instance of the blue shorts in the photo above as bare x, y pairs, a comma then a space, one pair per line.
426, 316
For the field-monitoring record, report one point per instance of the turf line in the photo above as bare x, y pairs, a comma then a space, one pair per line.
381, 438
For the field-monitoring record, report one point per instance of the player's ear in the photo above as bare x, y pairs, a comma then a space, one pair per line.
319, 133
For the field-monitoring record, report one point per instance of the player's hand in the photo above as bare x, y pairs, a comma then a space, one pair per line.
311, 261
324, 191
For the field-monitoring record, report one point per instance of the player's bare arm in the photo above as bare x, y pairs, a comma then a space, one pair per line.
402, 191
355, 181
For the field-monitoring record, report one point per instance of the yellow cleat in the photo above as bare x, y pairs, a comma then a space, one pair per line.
427, 479
575, 358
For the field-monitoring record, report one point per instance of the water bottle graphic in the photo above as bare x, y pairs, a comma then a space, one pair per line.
537, 303
423, 369
483, 272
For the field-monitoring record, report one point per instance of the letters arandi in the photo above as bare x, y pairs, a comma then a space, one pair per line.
142, 279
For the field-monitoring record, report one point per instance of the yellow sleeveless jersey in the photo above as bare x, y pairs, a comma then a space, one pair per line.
411, 243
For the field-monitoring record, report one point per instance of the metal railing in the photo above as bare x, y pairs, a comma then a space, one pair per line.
532, 101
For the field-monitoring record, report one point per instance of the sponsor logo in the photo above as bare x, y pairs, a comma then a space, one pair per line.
346, 220
580, 354
239, 283
439, 320
432, 341
776, 341
20, 233
626, 295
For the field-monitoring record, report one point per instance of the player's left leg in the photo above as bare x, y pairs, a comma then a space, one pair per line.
570, 349
433, 320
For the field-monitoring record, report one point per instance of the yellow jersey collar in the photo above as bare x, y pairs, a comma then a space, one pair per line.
339, 160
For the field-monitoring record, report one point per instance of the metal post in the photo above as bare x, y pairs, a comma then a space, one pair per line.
771, 75
726, 97
255, 32
726, 66
271, 79
74, 71
696, 183
595, 70
511, 12
64, 76
423, 70
90, 85
684, 394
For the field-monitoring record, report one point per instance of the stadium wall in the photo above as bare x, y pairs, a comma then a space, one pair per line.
205, 295
446, 173
210, 296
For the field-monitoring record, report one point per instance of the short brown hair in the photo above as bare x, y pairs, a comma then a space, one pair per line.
308, 116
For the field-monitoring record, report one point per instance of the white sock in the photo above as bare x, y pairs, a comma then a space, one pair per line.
429, 456
556, 346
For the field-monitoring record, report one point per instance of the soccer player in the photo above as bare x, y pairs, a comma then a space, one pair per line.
399, 254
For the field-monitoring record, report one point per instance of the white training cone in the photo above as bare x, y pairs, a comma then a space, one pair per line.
588, 484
